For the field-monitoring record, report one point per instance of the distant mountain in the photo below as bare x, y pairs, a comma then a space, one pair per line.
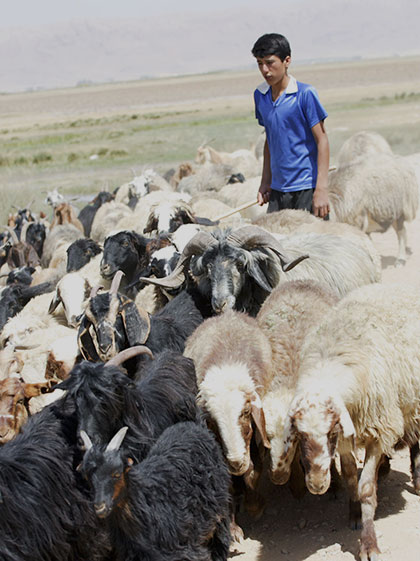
71, 53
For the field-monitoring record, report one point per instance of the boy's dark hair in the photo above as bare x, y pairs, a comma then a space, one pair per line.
271, 44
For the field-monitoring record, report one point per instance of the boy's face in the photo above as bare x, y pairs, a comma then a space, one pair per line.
273, 69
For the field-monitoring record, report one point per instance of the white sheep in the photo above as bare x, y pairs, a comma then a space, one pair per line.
360, 145
358, 385
242, 161
232, 358
375, 193
108, 218
288, 314
237, 194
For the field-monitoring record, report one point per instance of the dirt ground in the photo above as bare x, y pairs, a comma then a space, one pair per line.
315, 528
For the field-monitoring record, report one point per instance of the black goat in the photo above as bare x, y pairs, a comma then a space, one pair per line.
112, 322
45, 511
173, 505
14, 297
80, 252
34, 234
106, 399
87, 213
130, 253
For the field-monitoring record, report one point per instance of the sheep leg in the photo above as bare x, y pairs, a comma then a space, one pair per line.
401, 232
349, 471
415, 466
369, 550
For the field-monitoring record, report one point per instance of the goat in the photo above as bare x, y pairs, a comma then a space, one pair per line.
106, 399
21, 253
112, 322
358, 385
173, 505
64, 214
238, 269
88, 212
130, 253
14, 404
13, 298
45, 511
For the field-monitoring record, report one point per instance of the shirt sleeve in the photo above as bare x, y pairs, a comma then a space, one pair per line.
313, 110
258, 115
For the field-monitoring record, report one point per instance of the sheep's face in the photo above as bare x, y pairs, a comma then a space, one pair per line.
228, 395
121, 252
316, 424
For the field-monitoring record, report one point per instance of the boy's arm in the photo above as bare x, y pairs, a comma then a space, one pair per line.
264, 191
320, 203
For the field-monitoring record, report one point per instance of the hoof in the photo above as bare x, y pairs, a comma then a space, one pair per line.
399, 263
371, 555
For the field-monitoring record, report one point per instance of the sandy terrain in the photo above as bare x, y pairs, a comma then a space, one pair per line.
315, 528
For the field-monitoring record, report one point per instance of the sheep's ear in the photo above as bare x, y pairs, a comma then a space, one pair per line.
86, 440
116, 441
136, 323
151, 224
346, 423
258, 417
34, 390
54, 302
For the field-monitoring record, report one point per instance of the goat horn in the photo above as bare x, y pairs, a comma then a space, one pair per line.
86, 440
124, 355
196, 246
13, 235
94, 291
116, 441
116, 281
254, 236
24, 230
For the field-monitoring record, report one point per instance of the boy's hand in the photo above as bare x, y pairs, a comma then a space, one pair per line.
263, 195
320, 204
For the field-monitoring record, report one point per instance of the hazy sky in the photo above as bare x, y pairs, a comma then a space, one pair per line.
34, 12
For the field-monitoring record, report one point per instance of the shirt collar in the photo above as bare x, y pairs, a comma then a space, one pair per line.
291, 86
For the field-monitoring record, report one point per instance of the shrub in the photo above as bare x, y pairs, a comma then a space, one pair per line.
41, 157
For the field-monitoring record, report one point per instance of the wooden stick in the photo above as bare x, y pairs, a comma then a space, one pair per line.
238, 209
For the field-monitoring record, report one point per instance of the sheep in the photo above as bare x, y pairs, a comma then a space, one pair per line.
56, 243
88, 212
173, 505
373, 194
236, 195
14, 298
209, 177
168, 216
80, 252
243, 161
289, 313
45, 510
107, 218
361, 145
163, 393
358, 385
138, 186
238, 269
233, 361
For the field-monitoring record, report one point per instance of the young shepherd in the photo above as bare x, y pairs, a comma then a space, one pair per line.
358, 385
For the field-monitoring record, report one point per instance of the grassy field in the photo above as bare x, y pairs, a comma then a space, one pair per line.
48, 138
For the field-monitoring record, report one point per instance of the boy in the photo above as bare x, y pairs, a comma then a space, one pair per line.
296, 152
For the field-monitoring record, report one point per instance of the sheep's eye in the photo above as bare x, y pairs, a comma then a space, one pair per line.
20, 402
116, 475
125, 244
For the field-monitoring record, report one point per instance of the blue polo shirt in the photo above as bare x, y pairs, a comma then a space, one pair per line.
288, 122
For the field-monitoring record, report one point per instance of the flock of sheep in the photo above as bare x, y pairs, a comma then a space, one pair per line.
160, 348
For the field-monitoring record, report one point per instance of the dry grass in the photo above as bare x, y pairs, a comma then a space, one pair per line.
47, 138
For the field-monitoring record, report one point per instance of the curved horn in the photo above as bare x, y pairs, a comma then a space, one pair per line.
86, 440
13, 235
116, 281
94, 291
197, 245
249, 237
124, 355
116, 440
24, 230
